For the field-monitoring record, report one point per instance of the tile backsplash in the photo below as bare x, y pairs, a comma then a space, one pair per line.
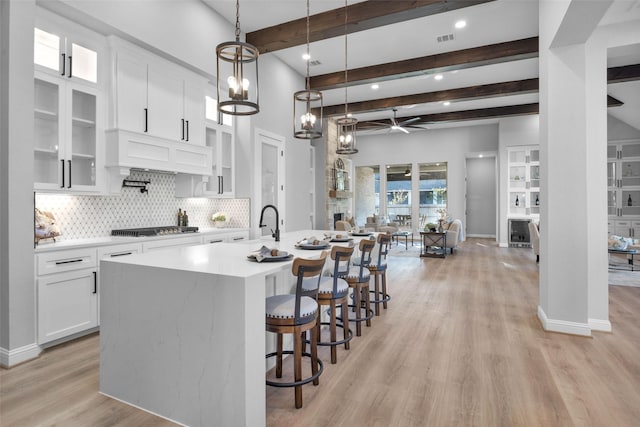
81, 217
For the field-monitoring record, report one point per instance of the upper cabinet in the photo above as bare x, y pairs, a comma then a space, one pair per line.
524, 181
623, 179
158, 98
68, 107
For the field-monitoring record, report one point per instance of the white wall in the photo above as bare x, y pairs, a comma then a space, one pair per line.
437, 145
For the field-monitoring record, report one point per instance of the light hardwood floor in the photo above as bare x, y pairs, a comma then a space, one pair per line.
459, 345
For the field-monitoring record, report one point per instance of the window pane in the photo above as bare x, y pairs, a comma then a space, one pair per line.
433, 191
46, 49
85, 63
399, 194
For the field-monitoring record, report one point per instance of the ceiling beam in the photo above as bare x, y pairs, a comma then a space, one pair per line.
454, 116
627, 73
613, 102
517, 87
449, 61
360, 16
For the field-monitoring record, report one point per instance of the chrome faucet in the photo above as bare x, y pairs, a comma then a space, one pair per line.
275, 234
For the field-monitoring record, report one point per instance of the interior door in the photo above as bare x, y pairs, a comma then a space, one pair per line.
270, 161
481, 197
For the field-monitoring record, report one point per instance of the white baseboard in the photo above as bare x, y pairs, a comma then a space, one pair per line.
563, 326
9, 358
600, 325
482, 236
503, 245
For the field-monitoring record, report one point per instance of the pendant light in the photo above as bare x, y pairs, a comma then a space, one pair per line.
346, 124
307, 105
241, 98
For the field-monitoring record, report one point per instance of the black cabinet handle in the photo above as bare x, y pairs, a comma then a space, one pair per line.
95, 282
219, 184
71, 261
62, 186
146, 119
64, 64
69, 186
70, 67
222, 185
182, 136
187, 138
120, 254
216, 241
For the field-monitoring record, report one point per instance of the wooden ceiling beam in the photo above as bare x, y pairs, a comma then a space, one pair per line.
517, 87
449, 61
360, 16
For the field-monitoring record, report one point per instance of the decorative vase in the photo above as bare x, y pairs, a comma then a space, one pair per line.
440, 229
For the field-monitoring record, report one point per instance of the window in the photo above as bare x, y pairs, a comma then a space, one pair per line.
399, 194
433, 190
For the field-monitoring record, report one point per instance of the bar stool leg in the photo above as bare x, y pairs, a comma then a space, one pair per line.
357, 291
279, 356
367, 304
345, 322
384, 289
314, 353
377, 293
332, 331
297, 364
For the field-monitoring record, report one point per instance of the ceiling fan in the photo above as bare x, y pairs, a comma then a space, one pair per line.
401, 126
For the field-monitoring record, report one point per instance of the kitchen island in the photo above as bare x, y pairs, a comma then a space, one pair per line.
182, 330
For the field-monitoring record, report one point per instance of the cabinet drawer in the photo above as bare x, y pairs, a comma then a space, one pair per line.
119, 250
171, 243
237, 237
57, 262
623, 223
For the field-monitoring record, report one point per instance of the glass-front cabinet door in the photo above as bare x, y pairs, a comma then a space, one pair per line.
65, 133
524, 181
221, 140
623, 179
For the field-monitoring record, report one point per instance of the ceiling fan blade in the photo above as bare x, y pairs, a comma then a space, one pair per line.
403, 129
409, 121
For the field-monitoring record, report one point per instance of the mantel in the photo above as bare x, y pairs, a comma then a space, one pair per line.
336, 194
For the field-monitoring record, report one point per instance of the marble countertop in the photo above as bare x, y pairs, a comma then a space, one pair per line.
116, 240
228, 259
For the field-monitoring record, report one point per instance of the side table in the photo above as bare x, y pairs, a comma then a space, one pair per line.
434, 244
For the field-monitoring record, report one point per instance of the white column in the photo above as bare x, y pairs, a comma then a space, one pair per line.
573, 269
17, 289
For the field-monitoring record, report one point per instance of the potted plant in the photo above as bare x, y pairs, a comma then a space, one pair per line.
220, 219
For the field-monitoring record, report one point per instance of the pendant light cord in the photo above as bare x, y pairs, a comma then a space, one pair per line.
308, 85
345, 58
237, 20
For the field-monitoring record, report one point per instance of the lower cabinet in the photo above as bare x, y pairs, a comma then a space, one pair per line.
68, 288
67, 301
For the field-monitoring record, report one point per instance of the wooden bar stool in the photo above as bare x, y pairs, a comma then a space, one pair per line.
358, 279
296, 314
334, 291
378, 268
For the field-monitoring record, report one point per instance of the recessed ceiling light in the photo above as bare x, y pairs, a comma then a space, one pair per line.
438, 77
461, 24
446, 103
306, 56
480, 156
375, 86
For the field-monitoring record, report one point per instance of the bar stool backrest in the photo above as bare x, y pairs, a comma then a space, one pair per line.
305, 268
342, 260
366, 246
384, 241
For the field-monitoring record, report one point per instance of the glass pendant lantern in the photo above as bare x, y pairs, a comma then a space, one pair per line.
346, 141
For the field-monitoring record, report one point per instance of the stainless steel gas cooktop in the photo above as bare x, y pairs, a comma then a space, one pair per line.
153, 231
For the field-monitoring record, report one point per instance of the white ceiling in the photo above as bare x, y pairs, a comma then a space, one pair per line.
488, 23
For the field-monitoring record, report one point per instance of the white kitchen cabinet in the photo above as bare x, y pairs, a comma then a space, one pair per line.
67, 293
68, 135
157, 97
230, 237
221, 182
68, 106
623, 182
67, 50
524, 181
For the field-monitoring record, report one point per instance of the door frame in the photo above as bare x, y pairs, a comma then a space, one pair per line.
260, 136
485, 155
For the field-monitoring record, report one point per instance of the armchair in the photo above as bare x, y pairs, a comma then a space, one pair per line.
454, 234
534, 236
